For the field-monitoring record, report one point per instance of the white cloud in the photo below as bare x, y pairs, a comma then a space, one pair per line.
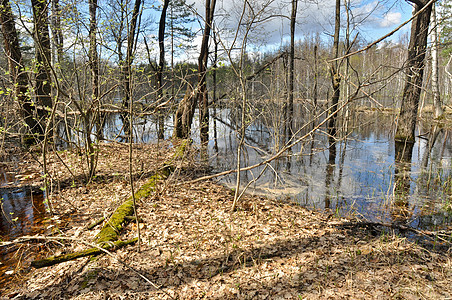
369, 17
390, 19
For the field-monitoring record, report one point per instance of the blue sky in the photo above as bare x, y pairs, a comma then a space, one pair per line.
372, 18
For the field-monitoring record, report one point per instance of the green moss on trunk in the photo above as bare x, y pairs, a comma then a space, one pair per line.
110, 231
53, 260
109, 234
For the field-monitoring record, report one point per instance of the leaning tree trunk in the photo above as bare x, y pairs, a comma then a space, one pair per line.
43, 88
414, 74
16, 70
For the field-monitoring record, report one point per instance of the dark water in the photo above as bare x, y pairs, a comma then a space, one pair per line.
22, 212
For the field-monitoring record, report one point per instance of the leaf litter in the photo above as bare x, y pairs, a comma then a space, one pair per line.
193, 247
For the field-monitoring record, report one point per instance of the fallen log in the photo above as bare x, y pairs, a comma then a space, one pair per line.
110, 231
53, 260
109, 235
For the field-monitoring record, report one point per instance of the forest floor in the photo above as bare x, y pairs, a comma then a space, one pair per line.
193, 247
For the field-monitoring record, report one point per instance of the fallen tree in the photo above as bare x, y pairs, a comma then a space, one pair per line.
53, 260
112, 228
108, 237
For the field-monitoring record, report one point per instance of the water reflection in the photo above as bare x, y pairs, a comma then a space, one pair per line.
400, 211
22, 212
358, 171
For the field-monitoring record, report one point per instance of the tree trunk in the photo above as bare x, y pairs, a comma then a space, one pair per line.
335, 77
43, 58
402, 181
435, 78
184, 115
214, 83
18, 76
293, 19
57, 31
94, 65
315, 76
414, 74
203, 99
93, 56
161, 66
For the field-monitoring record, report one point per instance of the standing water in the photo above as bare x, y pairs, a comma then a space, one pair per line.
356, 175
23, 212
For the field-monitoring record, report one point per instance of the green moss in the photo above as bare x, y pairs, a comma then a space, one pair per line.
53, 260
149, 187
111, 230
91, 274
180, 150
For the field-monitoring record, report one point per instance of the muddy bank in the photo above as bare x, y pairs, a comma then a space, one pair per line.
193, 247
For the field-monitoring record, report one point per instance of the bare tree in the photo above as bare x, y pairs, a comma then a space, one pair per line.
187, 106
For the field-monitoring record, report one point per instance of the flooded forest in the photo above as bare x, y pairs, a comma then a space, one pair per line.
225, 149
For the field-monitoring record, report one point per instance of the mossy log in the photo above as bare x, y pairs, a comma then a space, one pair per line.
53, 260
109, 234
110, 231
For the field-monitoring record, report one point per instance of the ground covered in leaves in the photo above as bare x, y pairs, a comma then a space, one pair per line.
193, 247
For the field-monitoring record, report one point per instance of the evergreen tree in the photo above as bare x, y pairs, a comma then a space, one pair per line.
445, 24
179, 31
